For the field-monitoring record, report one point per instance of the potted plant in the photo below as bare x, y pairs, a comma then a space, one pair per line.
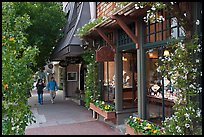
137, 126
104, 109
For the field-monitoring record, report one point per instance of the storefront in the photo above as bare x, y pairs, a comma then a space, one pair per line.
69, 49
133, 81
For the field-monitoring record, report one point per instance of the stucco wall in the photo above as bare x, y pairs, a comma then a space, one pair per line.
72, 85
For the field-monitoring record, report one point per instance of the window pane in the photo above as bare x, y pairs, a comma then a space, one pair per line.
174, 33
109, 81
129, 80
174, 22
181, 31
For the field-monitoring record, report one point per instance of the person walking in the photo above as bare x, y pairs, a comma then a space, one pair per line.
40, 85
52, 88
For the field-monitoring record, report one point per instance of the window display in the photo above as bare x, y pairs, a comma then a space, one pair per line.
154, 80
129, 80
109, 81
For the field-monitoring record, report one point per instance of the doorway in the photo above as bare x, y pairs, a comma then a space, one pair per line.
129, 95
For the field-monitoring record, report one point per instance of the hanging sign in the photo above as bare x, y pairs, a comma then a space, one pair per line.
104, 53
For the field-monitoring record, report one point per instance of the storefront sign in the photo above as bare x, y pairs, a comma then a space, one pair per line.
105, 53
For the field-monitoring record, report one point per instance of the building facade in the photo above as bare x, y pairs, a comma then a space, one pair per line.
69, 49
132, 80
129, 52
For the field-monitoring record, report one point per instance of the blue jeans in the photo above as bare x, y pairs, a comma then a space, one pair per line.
40, 98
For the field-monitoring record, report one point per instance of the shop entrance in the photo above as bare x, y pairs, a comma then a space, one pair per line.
129, 59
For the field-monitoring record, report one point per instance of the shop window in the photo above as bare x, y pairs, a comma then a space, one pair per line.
154, 88
109, 81
129, 80
159, 31
123, 38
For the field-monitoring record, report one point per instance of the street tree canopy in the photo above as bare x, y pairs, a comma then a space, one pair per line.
47, 20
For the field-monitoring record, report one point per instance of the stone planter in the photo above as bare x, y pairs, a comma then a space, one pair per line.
130, 130
106, 114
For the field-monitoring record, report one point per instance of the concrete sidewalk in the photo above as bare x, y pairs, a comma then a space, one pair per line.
65, 117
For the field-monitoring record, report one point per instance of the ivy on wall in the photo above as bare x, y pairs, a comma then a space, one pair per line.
91, 78
183, 67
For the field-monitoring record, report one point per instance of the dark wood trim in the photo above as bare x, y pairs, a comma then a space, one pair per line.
101, 33
126, 29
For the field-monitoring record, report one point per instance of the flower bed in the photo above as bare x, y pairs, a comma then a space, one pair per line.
137, 126
106, 114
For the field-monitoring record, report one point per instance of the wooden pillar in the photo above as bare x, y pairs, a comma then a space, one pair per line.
101, 77
142, 101
118, 81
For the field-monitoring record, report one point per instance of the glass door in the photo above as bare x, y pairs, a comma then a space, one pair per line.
129, 59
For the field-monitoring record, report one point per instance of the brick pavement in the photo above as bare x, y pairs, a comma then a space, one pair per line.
65, 117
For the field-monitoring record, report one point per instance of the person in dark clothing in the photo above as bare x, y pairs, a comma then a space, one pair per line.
40, 85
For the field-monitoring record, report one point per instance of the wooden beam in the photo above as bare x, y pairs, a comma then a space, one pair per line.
126, 29
101, 33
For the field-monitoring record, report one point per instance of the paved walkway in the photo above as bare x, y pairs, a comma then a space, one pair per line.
65, 117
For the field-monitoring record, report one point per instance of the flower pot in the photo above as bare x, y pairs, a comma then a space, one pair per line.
106, 114
130, 130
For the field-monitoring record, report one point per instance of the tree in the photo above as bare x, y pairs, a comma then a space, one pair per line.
17, 56
47, 20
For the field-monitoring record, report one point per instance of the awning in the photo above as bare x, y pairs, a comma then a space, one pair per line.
128, 13
71, 45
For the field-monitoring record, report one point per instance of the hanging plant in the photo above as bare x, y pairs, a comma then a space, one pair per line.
81, 32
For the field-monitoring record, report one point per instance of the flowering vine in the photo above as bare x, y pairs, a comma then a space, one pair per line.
183, 67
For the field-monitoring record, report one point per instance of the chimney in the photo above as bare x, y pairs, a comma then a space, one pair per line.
92, 10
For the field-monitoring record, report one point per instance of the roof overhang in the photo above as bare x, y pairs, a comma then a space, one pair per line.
128, 14
70, 45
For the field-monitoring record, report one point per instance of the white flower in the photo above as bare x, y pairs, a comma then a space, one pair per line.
172, 3
178, 129
187, 125
141, 6
187, 115
184, 14
199, 45
199, 50
198, 112
136, 6
197, 22
158, 4
153, 8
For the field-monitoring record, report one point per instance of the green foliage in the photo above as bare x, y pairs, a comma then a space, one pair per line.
47, 19
16, 72
121, 4
91, 85
84, 29
183, 66
104, 106
144, 126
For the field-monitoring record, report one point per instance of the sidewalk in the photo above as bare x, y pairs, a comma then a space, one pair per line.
65, 117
